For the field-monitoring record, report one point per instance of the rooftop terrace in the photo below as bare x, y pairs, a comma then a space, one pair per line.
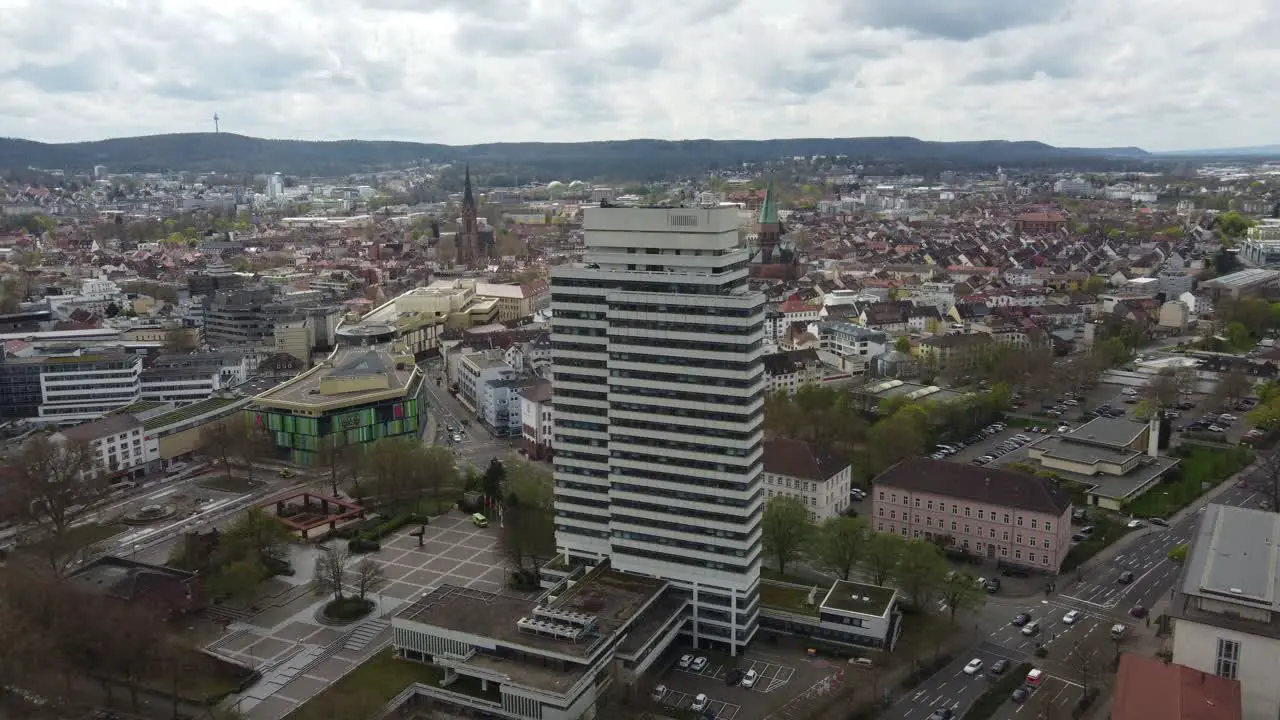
351, 375
186, 412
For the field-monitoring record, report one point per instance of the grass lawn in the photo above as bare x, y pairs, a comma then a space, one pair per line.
1199, 465
232, 484
364, 691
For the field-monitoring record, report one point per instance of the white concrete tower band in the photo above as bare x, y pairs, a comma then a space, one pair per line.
658, 394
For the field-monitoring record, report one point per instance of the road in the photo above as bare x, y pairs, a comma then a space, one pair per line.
477, 446
1077, 652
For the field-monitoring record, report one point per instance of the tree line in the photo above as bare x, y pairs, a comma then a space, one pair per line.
846, 546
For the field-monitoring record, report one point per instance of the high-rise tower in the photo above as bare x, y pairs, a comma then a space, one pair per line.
468, 237
659, 404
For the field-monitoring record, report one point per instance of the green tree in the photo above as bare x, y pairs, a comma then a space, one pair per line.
1238, 336
903, 345
1233, 225
881, 556
785, 530
238, 579
961, 591
494, 476
897, 437
839, 542
257, 535
920, 571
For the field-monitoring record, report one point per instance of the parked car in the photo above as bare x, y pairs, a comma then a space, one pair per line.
973, 667
734, 677
1125, 578
698, 664
686, 661
659, 692
998, 667
700, 702
1020, 695
993, 585
941, 714
749, 680
1020, 619
1138, 611
1158, 521
1134, 524
1071, 617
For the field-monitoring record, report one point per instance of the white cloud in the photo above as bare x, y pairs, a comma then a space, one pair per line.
1154, 73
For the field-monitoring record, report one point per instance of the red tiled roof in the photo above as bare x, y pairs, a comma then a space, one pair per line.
1148, 688
796, 305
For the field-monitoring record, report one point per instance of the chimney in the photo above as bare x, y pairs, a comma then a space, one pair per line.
1153, 434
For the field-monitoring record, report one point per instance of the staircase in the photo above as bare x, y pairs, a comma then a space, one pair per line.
360, 638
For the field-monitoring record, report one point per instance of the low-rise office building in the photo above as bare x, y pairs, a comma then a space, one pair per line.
852, 614
1226, 608
68, 386
117, 444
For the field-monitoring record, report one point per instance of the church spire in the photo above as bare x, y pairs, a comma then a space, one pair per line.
468, 198
769, 208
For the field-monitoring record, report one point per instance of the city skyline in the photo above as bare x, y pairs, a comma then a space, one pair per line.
1078, 73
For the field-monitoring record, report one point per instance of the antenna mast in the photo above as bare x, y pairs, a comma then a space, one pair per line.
215, 122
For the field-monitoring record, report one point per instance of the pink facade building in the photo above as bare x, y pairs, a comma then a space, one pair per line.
1011, 517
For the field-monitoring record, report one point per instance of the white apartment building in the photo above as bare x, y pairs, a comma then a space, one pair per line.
658, 380
849, 347
790, 370
476, 369
796, 469
1226, 610
117, 442
498, 405
537, 420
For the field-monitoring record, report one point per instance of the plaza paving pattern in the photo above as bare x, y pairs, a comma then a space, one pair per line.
298, 657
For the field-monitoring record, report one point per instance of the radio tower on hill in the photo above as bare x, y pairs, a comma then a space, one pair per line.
215, 123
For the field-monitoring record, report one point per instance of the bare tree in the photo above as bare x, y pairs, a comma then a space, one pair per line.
330, 572
217, 442
367, 577
56, 483
334, 457
1234, 385
250, 445
1163, 390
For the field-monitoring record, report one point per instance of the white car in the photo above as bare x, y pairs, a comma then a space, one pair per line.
700, 702
659, 692
974, 667
1134, 524
686, 661
1071, 617
1064, 428
749, 680
698, 663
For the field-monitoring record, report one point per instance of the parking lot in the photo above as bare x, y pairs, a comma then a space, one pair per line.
779, 679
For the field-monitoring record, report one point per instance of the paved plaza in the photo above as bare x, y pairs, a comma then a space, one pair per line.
298, 656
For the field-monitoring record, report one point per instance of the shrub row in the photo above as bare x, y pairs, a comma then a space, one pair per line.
365, 537
996, 695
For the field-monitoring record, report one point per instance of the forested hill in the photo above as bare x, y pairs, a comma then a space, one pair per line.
629, 159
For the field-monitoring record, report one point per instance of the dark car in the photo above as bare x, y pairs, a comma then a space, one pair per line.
993, 585
734, 677
941, 714
1020, 695
998, 667
1021, 619
1138, 611
1158, 521
1125, 578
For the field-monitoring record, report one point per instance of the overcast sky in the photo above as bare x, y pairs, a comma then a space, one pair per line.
1160, 74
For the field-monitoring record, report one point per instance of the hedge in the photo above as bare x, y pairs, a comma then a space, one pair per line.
994, 698
386, 527
360, 545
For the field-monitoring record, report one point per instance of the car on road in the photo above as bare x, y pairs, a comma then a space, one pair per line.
700, 702
1125, 578
734, 677
1031, 628
749, 680
1071, 617
1134, 524
941, 714
1138, 611
698, 664
1021, 619
974, 667
659, 692
1159, 522
998, 667
686, 661
993, 585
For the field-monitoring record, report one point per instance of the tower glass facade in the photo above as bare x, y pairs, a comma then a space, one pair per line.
659, 397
